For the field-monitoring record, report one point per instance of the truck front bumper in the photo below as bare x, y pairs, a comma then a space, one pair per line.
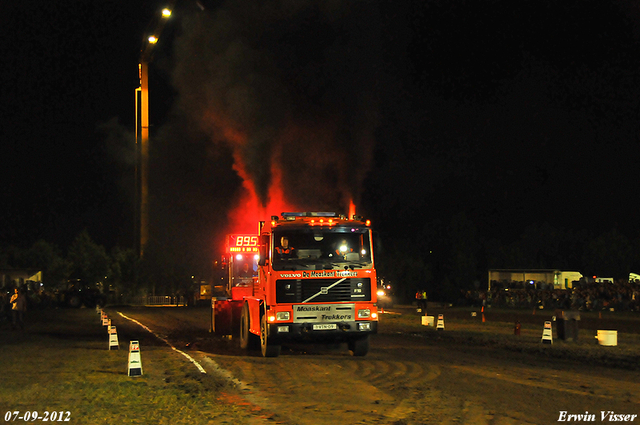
342, 331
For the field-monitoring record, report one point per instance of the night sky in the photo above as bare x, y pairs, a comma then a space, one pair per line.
511, 113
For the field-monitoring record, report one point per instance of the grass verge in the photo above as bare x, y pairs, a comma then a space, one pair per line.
62, 363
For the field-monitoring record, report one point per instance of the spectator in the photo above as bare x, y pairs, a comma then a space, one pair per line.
18, 307
593, 296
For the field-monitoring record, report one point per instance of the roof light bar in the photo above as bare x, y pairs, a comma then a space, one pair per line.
309, 214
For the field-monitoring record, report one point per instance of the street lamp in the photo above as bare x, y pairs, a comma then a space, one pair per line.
142, 128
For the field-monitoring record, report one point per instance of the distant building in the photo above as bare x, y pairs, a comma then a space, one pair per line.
537, 278
599, 279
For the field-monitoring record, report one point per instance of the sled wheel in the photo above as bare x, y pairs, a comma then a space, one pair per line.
248, 341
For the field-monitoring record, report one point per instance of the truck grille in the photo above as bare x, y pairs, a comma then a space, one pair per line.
321, 290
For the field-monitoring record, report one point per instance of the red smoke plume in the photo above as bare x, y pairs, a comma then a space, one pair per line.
244, 217
297, 104
249, 211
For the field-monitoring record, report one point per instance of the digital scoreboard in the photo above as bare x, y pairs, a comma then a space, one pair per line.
242, 243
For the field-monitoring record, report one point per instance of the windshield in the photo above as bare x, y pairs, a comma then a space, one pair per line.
322, 249
243, 269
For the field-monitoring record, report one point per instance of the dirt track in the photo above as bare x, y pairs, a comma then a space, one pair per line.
407, 378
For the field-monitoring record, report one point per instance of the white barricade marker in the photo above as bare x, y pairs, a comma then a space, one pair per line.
440, 326
428, 320
547, 334
135, 364
113, 337
607, 338
106, 322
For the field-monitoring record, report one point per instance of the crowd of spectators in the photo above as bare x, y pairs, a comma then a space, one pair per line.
621, 295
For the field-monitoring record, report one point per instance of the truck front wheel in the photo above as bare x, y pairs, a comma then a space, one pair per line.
269, 349
248, 341
359, 346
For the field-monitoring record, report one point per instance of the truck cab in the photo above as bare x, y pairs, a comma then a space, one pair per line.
316, 282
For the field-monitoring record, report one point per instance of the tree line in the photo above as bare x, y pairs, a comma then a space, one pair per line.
447, 258
119, 273
442, 258
84, 260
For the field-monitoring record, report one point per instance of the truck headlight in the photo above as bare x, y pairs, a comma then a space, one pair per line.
364, 326
381, 293
364, 314
283, 315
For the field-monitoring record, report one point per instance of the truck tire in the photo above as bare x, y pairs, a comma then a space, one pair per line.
359, 346
269, 349
248, 341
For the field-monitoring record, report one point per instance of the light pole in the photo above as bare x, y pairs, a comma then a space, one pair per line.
142, 129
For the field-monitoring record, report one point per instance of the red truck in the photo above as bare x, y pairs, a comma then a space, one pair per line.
310, 277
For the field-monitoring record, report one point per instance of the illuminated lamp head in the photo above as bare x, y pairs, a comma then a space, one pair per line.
239, 257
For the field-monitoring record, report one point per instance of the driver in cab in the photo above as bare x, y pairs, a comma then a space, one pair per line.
245, 277
246, 271
284, 251
343, 249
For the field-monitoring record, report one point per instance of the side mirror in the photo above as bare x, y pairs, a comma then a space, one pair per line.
224, 263
264, 250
